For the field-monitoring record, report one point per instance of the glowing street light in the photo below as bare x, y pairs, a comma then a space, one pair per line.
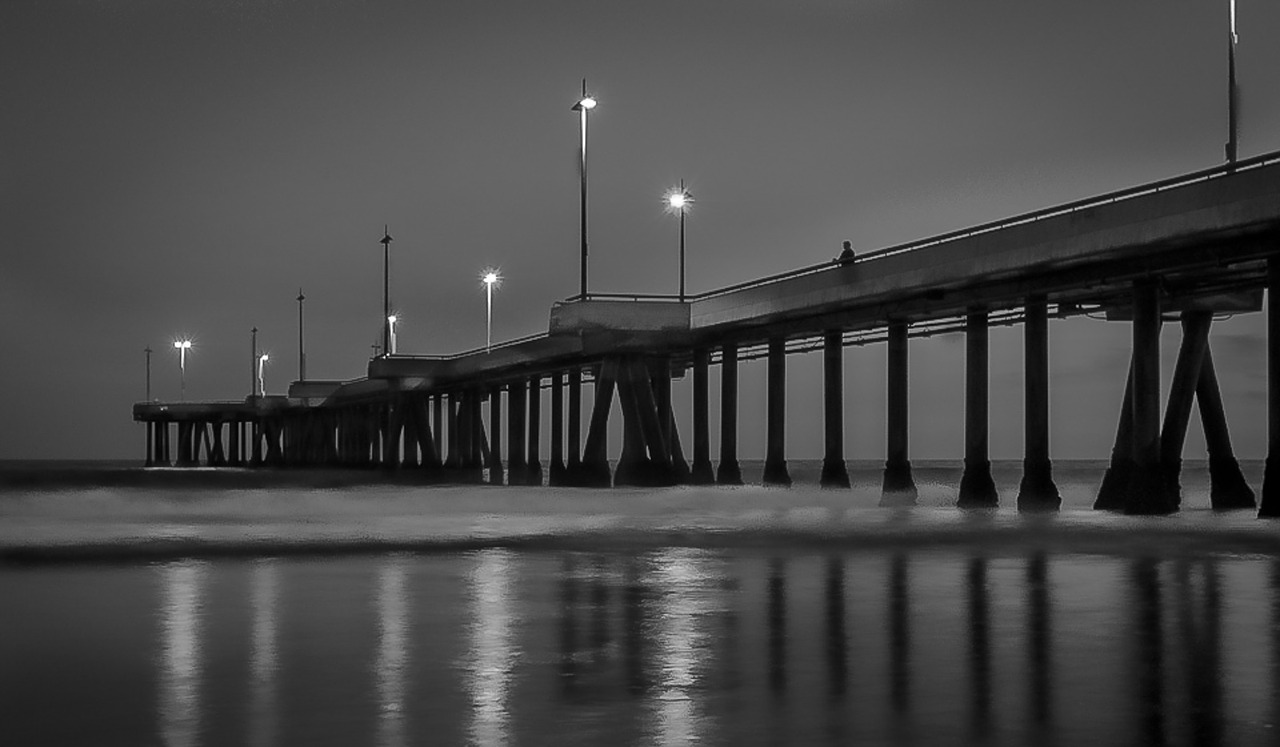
183, 346
584, 105
391, 325
489, 278
678, 201
262, 361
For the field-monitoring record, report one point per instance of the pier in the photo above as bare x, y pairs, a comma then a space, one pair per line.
1175, 251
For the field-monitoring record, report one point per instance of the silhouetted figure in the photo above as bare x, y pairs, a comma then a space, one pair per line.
846, 254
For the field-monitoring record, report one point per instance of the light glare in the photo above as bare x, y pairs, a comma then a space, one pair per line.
587, 102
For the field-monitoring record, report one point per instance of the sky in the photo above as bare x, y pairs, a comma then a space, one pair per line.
174, 168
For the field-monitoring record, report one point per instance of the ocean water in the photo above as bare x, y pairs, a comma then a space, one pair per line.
222, 608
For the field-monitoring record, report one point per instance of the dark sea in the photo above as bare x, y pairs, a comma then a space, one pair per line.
228, 607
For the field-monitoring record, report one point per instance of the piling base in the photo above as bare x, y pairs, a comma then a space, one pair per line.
834, 474
977, 488
533, 474
899, 489
1147, 494
702, 473
644, 473
729, 473
1172, 479
557, 475
590, 475
1228, 488
1115, 484
1270, 506
775, 474
1037, 491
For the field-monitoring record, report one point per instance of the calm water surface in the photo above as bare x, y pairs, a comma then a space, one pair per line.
454, 616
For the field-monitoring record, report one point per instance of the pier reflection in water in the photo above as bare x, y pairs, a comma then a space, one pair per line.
681, 645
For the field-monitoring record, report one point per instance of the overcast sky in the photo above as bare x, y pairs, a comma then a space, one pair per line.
181, 167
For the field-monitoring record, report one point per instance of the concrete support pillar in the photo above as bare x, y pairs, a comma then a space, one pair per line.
1182, 392
728, 472
517, 428
775, 461
236, 455
533, 457
392, 423
594, 470
166, 458
1146, 494
574, 446
149, 453
1037, 492
1228, 488
702, 473
410, 436
633, 463
454, 458
899, 489
495, 427
216, 456
184, 444
1270, 505
1115, 482
977, 489
660, 376
437, 426
556, 474
834, 472
255, 446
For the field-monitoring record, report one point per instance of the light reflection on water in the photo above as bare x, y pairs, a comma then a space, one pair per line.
492, 656
264, 656
392, 663
685, 583
180, 664
679, 645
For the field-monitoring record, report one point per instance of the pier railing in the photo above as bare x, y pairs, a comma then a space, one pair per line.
1004, 223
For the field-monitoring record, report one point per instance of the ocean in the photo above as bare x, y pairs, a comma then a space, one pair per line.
216, 607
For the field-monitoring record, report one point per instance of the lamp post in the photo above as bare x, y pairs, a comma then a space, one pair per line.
148, 352
262, 361
253, 362
1233, 103
302, 353
386, 288
391, 325
584, 104
183, 346
678, 201
489, 278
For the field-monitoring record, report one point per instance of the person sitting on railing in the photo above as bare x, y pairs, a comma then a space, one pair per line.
846, 254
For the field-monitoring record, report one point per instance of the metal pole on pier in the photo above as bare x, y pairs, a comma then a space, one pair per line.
302, 353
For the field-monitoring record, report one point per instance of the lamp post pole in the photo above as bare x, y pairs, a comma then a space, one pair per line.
183, 346
585, 104
253, 362
490, 278
148, 352
386, 290
1233, 103
302, 353
679, 200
